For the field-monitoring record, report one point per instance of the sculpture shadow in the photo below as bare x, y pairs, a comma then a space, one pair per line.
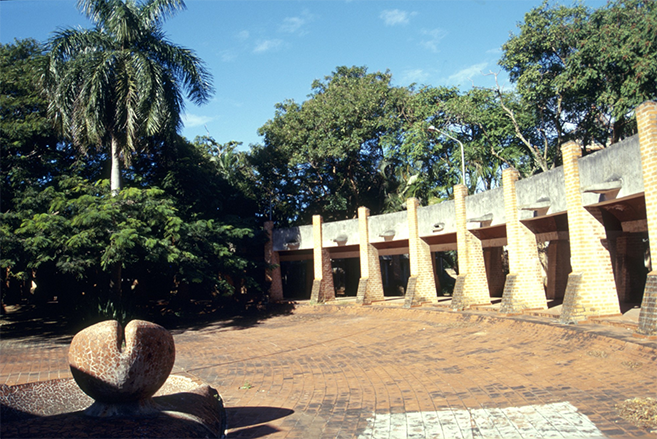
10, 414
240, 417
27, 412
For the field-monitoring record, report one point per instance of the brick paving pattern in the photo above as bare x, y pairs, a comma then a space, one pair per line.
388, 372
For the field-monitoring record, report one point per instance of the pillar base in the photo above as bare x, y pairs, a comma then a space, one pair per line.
319, 294
409, 297
510, 305
571, 311
465, 294
361, 296
519, 296
459, 302
648, 316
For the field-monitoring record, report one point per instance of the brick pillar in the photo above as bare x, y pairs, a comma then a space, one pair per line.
370, 286
558, 261
646, 117
323, 289
273, 272
524, 283
591, 289
421, 285
471, 286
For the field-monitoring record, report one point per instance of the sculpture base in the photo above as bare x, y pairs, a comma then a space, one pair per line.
182, 408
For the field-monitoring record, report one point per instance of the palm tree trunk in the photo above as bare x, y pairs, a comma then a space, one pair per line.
115, 173
115, 187
116, 293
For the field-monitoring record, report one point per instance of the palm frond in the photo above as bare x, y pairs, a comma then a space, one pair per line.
154, 12
123, 80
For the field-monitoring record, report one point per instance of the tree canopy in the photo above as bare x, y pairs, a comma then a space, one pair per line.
323, 155
186, 220
122, 80
179, 229
584, 71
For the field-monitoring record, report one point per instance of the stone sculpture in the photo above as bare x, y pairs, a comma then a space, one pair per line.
124, 375
121, 373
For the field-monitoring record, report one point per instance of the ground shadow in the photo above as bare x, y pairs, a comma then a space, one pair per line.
240, 417
227, 319
30, 322
551, 303
50, 322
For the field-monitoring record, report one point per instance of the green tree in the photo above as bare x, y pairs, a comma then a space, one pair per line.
582, 72
112, 85
121, 81
536, 60
323, 156
480, 120
30, 155
75, 231
616, 63
424, 165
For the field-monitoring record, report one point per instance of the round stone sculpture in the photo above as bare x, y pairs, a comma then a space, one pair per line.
115, 369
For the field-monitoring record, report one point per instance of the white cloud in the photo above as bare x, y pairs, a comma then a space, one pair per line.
394, 17
418, 76
432, 39
243, 35
297, 24
468, 74
267, 46
228, 55
194, 120
292, 24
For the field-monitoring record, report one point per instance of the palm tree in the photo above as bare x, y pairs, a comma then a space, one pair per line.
122, 80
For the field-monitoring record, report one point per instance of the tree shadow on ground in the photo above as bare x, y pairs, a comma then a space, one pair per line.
226, 319
29, 322
50, 322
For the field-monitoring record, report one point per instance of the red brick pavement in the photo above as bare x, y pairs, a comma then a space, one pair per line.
328, 371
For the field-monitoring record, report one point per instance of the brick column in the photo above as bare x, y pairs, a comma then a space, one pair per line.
646, 116
273, 272
471, 286
370, 286
323, 289
422, 282
591, 289
524, 283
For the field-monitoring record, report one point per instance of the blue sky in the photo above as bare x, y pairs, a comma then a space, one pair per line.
266, 51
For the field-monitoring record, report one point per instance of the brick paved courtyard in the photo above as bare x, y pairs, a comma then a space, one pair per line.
388, 372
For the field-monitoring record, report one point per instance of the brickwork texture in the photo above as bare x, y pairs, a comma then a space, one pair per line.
370, 286
525, 291
472, 283
591, 289
323, 289
646, 116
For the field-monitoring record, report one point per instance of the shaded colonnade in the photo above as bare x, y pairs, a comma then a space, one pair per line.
578, 232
